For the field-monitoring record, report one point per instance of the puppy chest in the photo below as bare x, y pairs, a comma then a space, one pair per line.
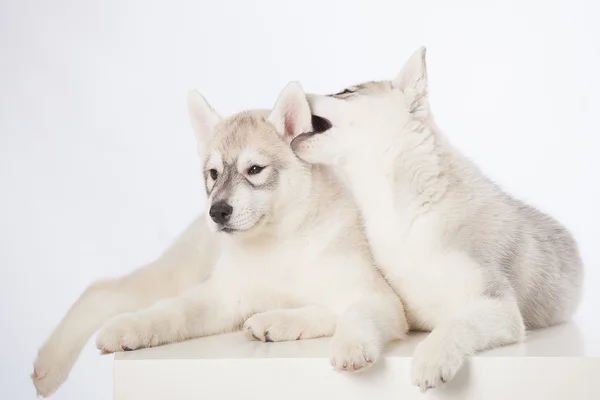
434, 289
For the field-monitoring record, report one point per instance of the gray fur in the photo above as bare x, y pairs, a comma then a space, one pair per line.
522, 252
471, 263
521, 249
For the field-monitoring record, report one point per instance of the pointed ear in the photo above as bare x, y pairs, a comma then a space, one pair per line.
291, 114
203, 118
413, 73
412, 81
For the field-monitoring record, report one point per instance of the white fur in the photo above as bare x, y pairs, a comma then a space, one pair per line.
470, 263
301, 270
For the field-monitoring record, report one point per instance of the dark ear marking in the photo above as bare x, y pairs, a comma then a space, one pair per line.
320, 124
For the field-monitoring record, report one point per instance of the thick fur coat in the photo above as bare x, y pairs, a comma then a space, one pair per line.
280, 254
471, 263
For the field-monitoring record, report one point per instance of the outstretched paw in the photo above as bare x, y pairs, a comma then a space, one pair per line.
51, 369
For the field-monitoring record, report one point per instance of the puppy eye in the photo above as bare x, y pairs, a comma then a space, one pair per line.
213, 174
255, 169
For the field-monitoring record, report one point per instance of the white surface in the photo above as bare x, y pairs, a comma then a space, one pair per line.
575, 339
98, 170
556, 363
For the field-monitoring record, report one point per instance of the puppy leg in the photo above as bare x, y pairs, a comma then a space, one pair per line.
486, 323
365, 328
203, 310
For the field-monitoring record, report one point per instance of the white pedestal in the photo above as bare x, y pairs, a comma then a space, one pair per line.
562, 362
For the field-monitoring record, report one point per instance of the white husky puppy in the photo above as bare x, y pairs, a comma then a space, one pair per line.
471, 263
285, 253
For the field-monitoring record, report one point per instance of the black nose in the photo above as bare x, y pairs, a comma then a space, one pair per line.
220, 212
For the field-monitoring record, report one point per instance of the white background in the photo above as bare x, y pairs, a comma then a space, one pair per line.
98, 171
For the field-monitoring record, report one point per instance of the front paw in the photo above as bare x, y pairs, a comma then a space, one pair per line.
354, 351
123, 333
272, 326
435, 361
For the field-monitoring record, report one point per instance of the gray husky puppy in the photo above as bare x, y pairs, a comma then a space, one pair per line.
472, 264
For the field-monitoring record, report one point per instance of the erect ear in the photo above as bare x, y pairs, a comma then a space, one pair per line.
291, 114
412, 81
203, 117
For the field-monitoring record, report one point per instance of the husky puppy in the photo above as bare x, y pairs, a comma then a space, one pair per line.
282, 254
472, 264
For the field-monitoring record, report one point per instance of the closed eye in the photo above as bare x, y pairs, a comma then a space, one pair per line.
345, 91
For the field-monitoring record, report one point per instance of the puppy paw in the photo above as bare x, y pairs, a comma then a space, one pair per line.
123, 333
435, 361
51, 369
273, 326
354, 351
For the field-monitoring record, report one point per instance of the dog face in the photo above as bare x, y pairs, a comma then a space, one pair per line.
366, 119
251, 174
